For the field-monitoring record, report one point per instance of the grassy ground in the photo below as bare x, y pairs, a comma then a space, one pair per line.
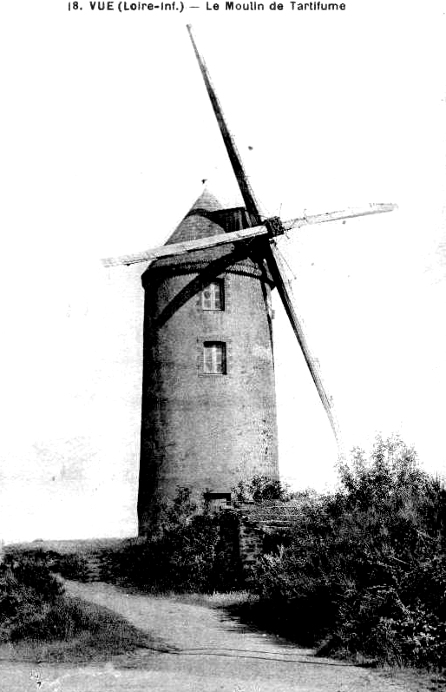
91, 633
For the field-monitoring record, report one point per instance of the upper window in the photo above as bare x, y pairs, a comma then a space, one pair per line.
213, 296
214, 357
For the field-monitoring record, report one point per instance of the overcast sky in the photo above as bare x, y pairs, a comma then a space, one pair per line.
107, 134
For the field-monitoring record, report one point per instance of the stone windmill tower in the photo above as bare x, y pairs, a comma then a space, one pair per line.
208, 401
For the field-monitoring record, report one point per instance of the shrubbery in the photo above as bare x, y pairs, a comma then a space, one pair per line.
28, 592
365, 569
261, 489
67, 565
191, 551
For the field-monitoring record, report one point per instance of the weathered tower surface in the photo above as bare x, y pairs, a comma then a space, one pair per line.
208, 401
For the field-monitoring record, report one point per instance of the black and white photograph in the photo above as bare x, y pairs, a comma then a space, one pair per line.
223, 440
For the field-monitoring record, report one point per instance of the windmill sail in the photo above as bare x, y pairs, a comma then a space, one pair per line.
191, 246
283, 286
234, 157
272, 257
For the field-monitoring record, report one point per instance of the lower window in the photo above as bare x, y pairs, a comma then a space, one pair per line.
214, 357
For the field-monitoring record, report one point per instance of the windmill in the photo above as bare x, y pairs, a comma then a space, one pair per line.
208, 399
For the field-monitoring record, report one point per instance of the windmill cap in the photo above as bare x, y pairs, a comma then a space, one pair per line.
199, 222
206, 218
207, 200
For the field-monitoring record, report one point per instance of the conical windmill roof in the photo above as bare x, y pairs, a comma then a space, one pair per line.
190, 228
207, 217
200, 221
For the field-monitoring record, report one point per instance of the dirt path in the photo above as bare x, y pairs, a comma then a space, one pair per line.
206, 652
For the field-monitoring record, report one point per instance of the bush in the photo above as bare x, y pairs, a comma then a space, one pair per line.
71, 566
260, 489
365, 570
28, 591
67, 565
189, 551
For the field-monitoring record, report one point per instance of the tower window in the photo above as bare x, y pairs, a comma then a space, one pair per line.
214, 357
213, 296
